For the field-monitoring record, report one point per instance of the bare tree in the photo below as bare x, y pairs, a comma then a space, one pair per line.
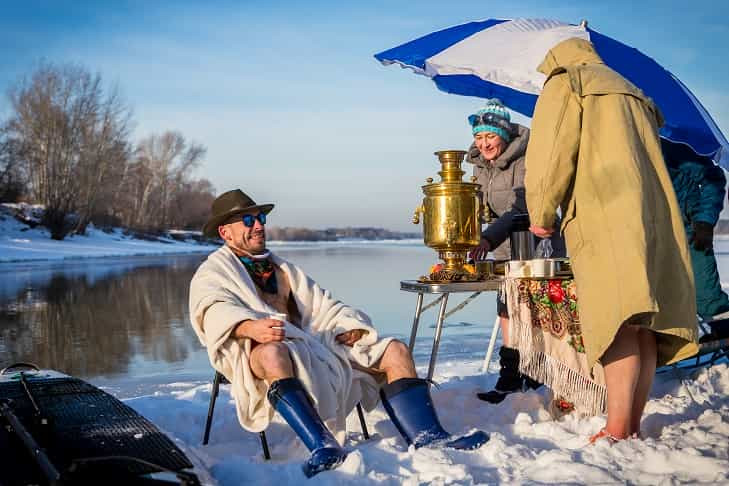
162, 169
106, 153
67, 131
12, 175
190, 208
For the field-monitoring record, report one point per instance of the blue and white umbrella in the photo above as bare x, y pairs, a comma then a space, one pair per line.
498, 59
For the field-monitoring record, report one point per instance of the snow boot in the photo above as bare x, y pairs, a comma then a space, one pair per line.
719, 328
510, 380
290, 399
410, 407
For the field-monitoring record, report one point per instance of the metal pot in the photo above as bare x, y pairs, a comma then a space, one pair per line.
522, 241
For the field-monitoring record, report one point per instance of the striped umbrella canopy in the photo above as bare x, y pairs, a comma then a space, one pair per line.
498, 58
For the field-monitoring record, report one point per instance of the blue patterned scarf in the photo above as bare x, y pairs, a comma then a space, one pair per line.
262, 271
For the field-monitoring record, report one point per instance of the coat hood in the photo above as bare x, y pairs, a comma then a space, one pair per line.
569, 52
588, 73
516, 148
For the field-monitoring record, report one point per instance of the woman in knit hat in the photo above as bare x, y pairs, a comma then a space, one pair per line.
497, 154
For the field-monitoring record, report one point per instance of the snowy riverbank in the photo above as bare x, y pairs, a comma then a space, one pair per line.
19, 242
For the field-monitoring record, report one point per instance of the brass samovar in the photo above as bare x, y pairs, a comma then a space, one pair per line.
452, 213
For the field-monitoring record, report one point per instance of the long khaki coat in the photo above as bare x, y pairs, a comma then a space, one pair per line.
595, 152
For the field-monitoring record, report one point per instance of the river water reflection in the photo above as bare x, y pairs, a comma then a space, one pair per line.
127, 318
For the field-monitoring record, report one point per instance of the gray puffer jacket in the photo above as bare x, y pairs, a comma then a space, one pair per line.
503, 182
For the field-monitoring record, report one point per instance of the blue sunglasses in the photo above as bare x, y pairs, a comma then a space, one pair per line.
249, 219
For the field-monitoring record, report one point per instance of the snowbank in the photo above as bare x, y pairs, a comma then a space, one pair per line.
20, 242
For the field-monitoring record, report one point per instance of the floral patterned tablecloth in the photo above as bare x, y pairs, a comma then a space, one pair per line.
544, 325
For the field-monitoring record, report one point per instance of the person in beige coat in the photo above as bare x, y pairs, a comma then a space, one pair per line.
595, 153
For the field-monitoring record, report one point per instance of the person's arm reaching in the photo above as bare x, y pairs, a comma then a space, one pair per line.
551, 157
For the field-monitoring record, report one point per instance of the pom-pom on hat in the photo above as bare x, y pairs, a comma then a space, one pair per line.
494, 118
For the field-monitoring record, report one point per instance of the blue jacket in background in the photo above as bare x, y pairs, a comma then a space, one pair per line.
699, 184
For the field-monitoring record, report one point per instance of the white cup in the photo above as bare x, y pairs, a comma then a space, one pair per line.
279, 317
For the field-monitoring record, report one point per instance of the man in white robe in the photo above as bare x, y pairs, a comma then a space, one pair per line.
287, 345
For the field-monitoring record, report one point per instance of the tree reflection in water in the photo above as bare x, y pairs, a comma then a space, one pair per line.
88, 326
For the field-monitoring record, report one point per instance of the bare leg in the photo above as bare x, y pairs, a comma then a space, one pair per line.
648, 358
622, 370
396, 362
504, 323
271, 362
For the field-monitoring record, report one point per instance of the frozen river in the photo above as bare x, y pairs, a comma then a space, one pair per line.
125, 319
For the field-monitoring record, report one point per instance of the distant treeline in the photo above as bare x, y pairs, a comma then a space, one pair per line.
66, 146
335, 234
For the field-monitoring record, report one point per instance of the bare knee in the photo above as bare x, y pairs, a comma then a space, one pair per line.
397, 354
271, 360
398, 350
271, 353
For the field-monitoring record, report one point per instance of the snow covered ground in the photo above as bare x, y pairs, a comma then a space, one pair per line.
686, 428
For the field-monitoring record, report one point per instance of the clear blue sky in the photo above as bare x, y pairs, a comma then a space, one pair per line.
291, 104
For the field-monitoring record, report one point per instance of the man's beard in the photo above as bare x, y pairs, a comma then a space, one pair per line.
262, 249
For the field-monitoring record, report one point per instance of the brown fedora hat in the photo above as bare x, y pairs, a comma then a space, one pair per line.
228, 204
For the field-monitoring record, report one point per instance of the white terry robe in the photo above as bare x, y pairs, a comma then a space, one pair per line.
222, 294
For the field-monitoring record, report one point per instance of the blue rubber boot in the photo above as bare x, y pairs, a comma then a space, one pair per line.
410, 407
290, 399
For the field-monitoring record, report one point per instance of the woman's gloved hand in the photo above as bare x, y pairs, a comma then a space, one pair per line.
480, 252
702, 238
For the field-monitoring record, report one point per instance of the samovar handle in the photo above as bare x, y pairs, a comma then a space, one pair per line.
416, 216
483, 216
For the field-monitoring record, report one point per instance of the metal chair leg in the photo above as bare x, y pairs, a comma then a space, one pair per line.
211, 407
360, 413
262, 435
264, 445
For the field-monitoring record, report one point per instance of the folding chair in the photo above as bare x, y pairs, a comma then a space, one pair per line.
219, 378
713, 346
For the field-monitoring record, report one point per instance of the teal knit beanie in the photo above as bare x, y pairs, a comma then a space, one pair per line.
492, 118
